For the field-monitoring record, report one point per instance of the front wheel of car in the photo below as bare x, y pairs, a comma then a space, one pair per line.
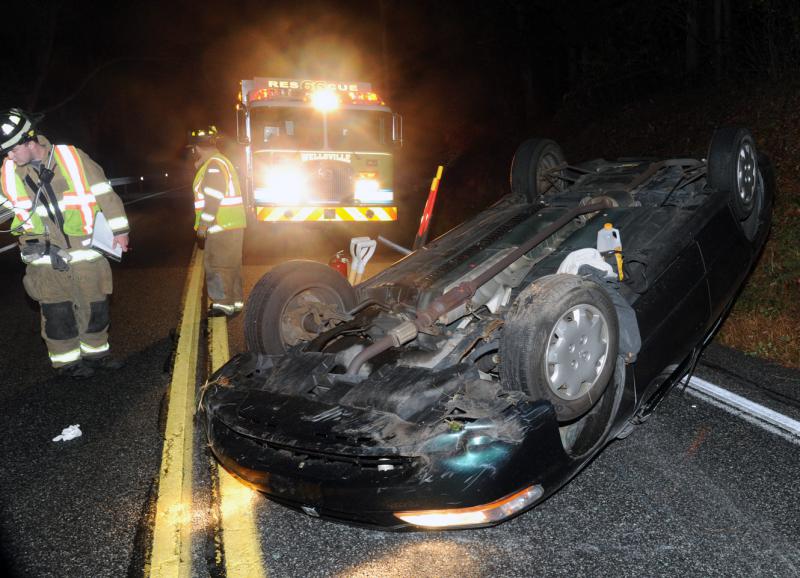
733, 168
293, 303
560, 343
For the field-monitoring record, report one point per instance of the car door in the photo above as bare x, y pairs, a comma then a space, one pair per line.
674, 310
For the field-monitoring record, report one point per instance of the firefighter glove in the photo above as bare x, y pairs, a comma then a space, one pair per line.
32, 250
202, 233
59, 259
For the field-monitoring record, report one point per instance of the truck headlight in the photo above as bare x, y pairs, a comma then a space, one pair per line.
366, 188
369, 191
283, 185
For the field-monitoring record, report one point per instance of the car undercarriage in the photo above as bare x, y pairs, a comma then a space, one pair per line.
476, 376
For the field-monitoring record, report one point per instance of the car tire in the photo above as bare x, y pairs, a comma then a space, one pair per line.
733, 168
560, 343
530, 165
278, 311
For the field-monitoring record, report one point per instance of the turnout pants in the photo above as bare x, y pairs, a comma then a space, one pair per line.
74, 306
222, 260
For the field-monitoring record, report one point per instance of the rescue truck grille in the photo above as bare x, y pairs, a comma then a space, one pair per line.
331, 181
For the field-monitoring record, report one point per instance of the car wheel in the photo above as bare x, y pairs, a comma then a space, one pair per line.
293, 303
560, 343
733, 168
532, 169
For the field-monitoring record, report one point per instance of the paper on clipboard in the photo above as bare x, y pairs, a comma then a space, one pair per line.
103, 238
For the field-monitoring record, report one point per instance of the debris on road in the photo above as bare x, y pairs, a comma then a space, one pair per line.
69, 433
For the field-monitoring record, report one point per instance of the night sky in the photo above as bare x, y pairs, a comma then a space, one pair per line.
125, 82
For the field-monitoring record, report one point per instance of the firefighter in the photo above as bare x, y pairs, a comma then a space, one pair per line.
220, 222
55, 193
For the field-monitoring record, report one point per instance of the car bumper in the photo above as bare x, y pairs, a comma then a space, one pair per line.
454, 471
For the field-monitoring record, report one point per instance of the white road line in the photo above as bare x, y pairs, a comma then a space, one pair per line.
764, 417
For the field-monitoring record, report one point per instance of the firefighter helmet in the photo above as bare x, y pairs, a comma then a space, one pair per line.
204, 136
16, 127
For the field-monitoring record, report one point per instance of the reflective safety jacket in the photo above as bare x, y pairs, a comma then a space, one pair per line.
217, 196
81, 190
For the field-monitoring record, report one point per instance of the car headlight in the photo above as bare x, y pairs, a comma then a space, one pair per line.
482, 515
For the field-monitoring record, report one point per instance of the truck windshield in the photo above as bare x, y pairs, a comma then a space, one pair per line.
302, 128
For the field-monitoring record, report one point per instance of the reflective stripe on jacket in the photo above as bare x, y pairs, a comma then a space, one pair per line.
14, 191
77, 203
229, 205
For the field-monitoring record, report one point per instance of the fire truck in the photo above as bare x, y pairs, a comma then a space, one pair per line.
317, 150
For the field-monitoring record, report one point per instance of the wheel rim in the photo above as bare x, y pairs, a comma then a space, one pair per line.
746, 173
577, 351
308, 313
545, 180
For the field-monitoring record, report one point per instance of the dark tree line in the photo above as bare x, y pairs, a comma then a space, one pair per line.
546, 52
101, 70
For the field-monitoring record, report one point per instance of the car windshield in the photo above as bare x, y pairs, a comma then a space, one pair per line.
302, 128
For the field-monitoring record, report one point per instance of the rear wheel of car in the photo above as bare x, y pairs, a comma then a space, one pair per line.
733, 168
294, 303
560, 343
533, 167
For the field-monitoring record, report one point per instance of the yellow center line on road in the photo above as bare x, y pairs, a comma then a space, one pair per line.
171, 549
243, 557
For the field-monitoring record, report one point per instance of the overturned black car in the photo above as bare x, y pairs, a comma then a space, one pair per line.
476, 376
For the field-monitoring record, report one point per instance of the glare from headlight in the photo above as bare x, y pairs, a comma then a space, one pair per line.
284, 185
325, 100
369, 191
365, 187
476, 515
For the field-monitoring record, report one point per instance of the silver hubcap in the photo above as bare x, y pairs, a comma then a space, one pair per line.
746, 172
576, 351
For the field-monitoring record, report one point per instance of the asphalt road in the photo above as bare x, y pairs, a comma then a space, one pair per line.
696, 490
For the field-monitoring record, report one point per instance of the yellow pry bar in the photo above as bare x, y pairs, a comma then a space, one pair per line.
171, 551
242, 549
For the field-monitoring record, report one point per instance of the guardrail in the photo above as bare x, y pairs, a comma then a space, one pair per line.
123, 182
128, 186
128, 183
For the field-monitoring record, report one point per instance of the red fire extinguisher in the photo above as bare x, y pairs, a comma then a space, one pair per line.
340, 263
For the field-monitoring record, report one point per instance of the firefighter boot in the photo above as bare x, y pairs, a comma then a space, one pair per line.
104, 363
76, 370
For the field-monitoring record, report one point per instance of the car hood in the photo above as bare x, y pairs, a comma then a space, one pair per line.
402, 410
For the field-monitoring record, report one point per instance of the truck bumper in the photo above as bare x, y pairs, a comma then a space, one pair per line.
300, 214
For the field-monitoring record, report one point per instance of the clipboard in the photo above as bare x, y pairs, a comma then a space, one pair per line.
103, 238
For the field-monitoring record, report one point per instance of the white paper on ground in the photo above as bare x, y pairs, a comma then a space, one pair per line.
103, 238
69, 433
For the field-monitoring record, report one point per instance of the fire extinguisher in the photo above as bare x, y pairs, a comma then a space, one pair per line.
340, 263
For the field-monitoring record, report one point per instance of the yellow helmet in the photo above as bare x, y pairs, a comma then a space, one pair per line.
207, 135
